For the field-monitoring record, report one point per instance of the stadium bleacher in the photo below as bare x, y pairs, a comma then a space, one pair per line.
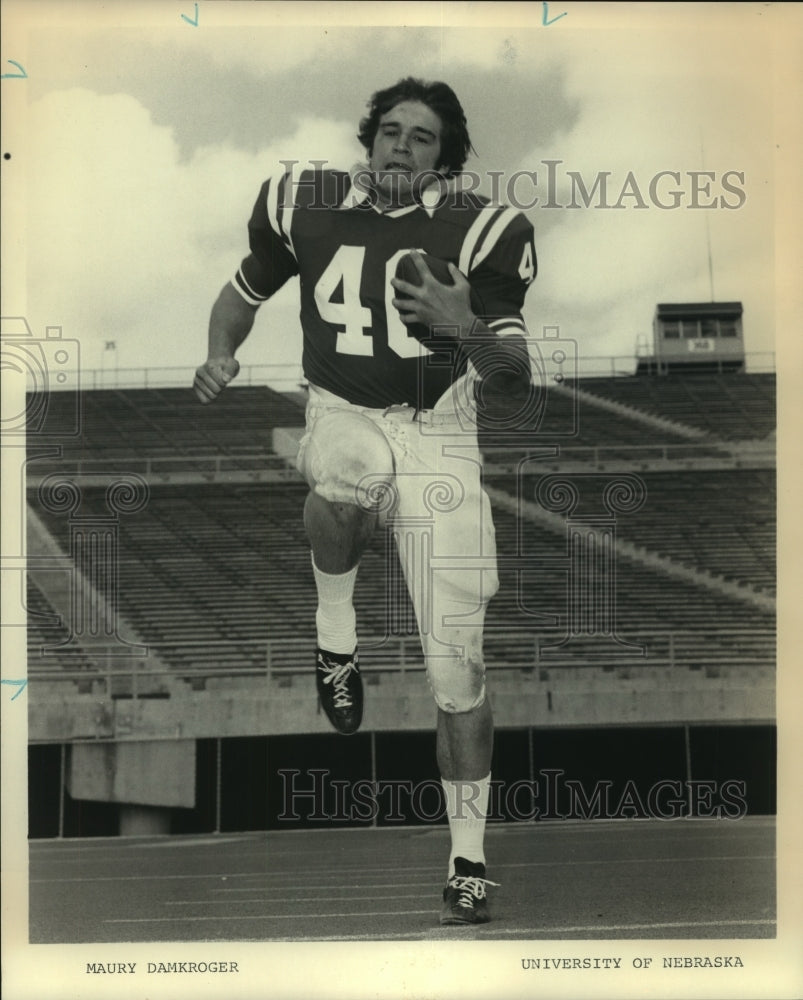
51, 647
214, 570
230, 566
729, 407
191, 544
718, 520
133, 425
149, 423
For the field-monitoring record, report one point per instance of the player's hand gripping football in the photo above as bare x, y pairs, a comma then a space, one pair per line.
432, 303
212, 377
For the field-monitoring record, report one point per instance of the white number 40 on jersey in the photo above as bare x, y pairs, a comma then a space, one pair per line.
345, 270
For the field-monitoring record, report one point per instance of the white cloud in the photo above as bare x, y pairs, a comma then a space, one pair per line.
126, 242
261, 49
130, 242
678, 104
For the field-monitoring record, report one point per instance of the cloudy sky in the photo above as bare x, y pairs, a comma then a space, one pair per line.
144, 146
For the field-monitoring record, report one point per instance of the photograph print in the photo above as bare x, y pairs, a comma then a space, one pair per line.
391, 428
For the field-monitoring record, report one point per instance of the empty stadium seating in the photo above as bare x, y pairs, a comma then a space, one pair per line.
134, 425
730, 407
720, 521
51, 649
210, 575
140, 424
213, 575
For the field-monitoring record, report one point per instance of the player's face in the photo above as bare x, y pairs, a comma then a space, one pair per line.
406, 152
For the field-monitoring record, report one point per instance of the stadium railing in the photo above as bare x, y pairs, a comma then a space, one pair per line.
288, 377
399, 655
260, 464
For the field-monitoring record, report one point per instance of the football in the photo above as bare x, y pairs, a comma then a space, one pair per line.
407, 271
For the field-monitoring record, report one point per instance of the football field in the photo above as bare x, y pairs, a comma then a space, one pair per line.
681, 879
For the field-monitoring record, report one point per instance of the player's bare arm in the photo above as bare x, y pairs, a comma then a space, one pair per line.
229, 324
503, 360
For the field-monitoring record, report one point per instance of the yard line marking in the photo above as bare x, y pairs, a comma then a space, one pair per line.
267, 916
350, 887
403, 882
637, 861
500, 932
664, 925
294, 899
556, 863
201, 842
746, 824
314, 874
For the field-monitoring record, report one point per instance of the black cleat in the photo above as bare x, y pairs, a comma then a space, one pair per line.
340, 689
464, 898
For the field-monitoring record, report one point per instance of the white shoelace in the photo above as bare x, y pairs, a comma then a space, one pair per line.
337, 676
471, 889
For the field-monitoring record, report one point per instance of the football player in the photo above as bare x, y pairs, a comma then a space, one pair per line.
393, 367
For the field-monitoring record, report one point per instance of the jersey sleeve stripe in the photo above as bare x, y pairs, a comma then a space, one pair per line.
280, 207
473, 236
272, 206
289, 207
246, 290
508, 325
500, 224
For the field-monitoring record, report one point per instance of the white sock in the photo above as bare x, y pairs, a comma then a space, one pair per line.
466, 810
335, 618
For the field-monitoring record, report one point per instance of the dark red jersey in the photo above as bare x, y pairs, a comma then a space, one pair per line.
321, 225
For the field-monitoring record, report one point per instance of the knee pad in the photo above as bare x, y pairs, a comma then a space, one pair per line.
463, 588
457, 678
345, 459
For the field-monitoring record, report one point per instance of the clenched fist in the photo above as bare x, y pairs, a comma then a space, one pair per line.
213, 376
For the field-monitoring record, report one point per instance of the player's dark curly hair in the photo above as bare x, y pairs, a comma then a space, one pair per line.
438, 97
